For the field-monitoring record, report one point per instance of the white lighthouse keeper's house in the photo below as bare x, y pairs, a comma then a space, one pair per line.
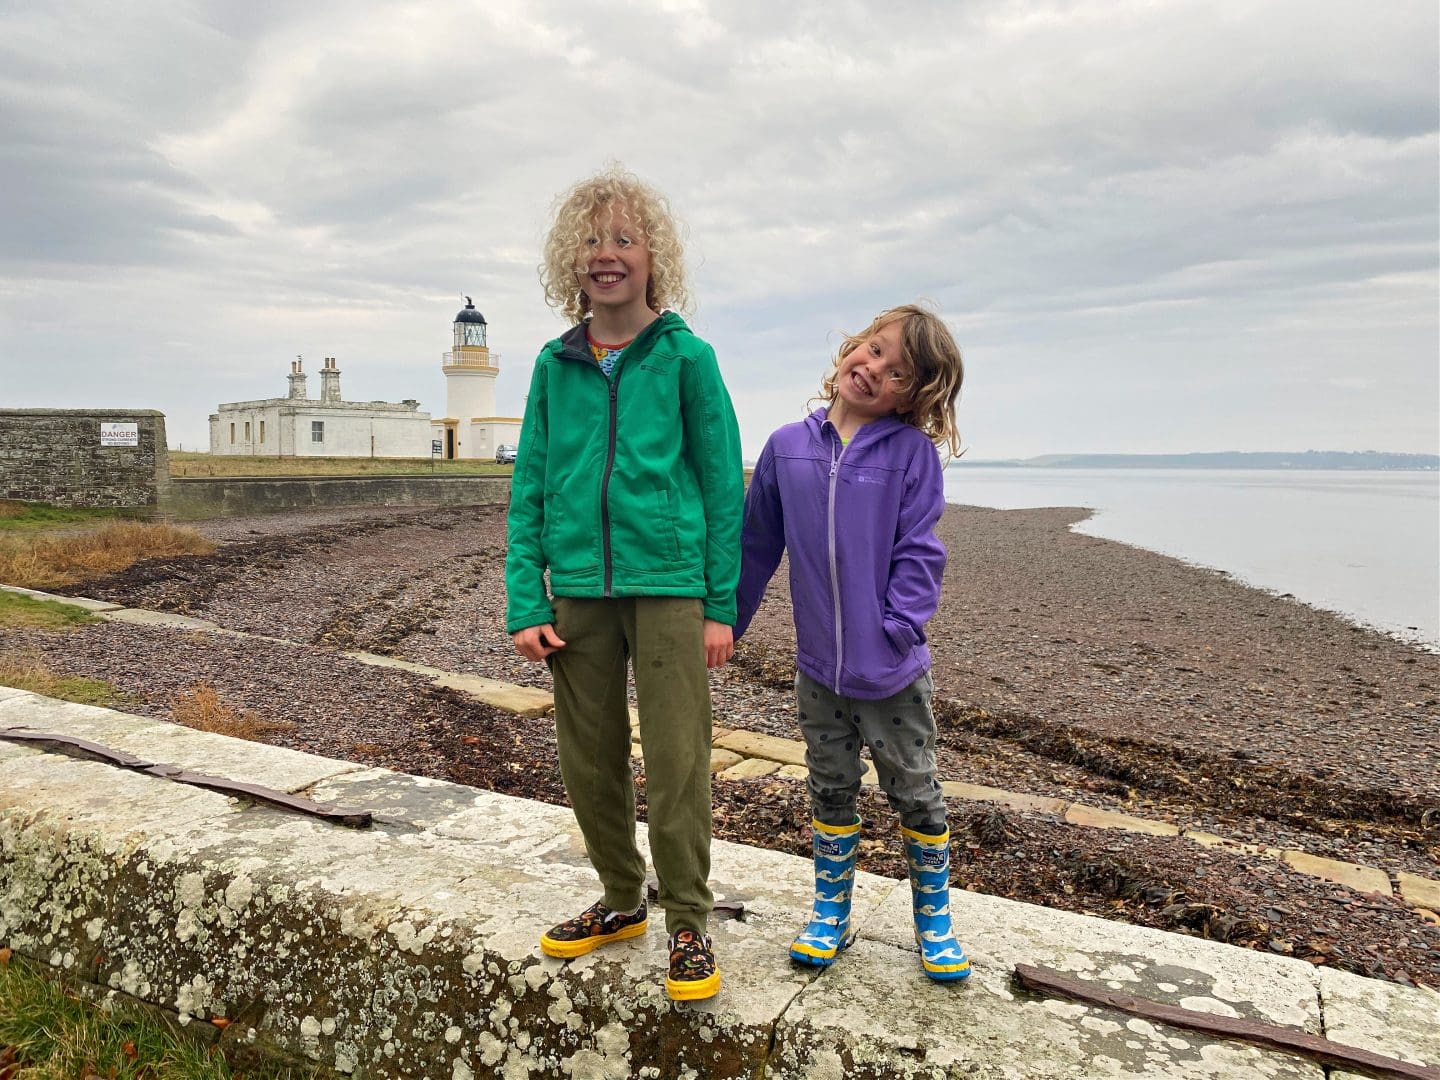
470, 428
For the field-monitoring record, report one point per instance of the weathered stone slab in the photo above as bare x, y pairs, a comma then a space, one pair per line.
1015, 800
988, 1028
749, 769
1418, 891
521, 700
171, 744
723, 759
419, 802
141, 617
1398, 1021
752, 744
73, 601
793, 772
511, 697
1365, 879
1095, 818
1209, 839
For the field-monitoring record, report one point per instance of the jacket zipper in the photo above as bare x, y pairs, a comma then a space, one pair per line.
834, 569
614, 384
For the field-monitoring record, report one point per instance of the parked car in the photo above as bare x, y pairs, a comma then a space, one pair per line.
505, 454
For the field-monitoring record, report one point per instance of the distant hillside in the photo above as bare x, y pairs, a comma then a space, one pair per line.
1232, 459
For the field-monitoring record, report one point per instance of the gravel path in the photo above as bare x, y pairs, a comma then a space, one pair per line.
1066, 665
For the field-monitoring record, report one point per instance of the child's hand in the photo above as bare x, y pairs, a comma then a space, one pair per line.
538, 642
719, 643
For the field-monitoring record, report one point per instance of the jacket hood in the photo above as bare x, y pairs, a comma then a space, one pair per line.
574, 340
872, 432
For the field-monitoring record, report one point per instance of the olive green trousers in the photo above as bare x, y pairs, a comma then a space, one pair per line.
662, 638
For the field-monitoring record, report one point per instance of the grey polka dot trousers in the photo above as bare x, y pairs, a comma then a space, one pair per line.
900, 732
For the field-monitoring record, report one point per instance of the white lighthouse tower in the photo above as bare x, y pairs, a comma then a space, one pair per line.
470, 428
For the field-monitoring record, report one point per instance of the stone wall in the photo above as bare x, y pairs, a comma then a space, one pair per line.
211, 496
59, 456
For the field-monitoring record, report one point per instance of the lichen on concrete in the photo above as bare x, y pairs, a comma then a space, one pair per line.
409, 949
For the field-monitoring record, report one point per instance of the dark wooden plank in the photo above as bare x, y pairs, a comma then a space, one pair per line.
1293, 1040
69, 744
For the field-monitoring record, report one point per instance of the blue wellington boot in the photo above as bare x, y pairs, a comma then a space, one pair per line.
929, 859
829, 928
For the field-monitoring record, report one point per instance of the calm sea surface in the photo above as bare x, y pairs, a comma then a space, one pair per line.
1365, 544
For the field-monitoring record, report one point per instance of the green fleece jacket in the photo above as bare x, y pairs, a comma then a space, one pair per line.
627, 486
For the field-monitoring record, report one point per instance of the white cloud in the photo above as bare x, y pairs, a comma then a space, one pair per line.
1155, 225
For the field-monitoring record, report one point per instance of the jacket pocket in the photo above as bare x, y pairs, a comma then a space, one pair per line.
901, 635
643, 535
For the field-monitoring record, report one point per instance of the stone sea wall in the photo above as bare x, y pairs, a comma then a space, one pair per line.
84, 457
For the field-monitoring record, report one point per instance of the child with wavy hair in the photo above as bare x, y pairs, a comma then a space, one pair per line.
628, 491
853, 492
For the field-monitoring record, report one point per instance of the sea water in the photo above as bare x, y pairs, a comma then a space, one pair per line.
1364, 544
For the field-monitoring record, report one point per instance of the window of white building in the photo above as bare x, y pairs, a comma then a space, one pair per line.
317, 431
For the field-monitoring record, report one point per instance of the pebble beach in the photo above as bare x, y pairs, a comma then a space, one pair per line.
1065, 665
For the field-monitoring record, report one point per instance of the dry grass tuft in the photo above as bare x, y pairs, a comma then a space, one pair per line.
202, 708
26, 670
9, 508
53, 559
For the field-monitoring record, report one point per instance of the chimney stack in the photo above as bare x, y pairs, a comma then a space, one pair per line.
297, 379
330, 382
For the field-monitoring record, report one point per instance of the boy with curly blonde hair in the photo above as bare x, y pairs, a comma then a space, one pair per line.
628, 491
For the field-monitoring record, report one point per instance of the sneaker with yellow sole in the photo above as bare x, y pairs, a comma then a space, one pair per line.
693, 975
595, 926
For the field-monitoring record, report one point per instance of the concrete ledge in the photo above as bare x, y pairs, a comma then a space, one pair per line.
409, 950
199, 496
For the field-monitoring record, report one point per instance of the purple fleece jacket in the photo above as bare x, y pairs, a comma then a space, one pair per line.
865, 564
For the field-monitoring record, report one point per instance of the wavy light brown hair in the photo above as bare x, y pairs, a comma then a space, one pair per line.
587, 208
927, 343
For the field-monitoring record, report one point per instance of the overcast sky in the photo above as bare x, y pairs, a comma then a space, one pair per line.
1154, 226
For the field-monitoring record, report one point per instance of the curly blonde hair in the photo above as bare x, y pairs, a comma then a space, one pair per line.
930, 397
588, 207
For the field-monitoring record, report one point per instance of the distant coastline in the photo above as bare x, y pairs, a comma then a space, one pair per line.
1230, 459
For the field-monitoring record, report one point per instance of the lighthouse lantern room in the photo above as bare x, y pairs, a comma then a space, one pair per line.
470, 428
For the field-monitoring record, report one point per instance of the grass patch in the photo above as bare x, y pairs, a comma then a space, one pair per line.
27, 671
49, 1031
202, 708
17, 609
195, 464
22, 516
50, 559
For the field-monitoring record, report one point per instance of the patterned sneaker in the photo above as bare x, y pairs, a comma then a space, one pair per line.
693, 974
595, 926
